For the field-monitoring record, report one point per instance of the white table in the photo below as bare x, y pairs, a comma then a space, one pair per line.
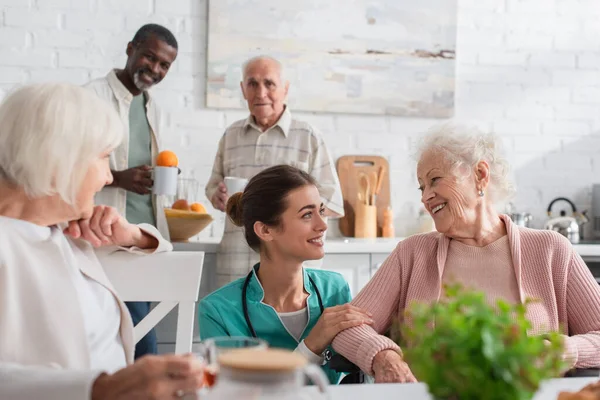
418, 391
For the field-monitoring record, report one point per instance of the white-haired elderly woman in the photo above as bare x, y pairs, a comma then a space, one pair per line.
64, 333
461, 174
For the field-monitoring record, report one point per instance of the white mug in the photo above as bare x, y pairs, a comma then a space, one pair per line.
165, 181
234, 184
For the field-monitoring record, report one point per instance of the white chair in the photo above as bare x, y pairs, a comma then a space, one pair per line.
168, 278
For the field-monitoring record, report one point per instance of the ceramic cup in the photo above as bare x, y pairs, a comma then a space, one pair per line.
165, 181
235, 184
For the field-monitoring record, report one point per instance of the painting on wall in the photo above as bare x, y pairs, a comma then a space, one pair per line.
387, 57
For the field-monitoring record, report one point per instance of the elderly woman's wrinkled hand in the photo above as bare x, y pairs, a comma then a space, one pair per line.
389, 367
152, 377
106, 227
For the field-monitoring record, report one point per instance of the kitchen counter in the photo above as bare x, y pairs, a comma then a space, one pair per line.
586, 250
332, 245
207, 245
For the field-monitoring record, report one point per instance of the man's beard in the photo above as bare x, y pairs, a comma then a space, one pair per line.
143, 86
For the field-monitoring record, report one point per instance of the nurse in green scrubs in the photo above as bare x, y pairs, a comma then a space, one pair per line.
280, 301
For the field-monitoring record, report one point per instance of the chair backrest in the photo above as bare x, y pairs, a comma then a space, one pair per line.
170, 279
341, 364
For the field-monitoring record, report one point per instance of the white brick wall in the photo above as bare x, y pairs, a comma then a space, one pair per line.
529, 69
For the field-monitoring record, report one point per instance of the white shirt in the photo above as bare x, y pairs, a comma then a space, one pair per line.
44, 325
99, 308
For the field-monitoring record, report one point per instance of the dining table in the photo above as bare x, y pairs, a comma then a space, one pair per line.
549, 390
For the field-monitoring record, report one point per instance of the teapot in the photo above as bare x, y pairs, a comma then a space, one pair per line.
269, 374
568, 226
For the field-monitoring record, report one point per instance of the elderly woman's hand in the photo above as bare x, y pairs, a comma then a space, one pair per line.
389, 367
106, 227
152, 377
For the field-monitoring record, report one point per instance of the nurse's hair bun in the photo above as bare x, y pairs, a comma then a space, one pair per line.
235, 209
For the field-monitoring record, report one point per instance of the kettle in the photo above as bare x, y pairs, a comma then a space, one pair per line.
569, 227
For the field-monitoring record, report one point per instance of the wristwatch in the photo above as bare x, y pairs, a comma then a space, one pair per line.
327, 354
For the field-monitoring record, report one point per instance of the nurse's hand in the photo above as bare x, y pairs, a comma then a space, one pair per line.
333, 321
152, 377
219, 199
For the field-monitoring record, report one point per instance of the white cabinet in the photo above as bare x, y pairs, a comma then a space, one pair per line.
355, 268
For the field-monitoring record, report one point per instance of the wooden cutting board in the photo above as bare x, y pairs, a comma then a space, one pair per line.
348, 168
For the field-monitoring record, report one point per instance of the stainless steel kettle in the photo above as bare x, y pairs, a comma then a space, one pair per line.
568, 226
519, 218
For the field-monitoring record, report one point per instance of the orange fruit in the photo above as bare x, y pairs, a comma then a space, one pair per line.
181, 204
197, 207
167, 159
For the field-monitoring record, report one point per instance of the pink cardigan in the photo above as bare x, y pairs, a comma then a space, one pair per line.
546, 268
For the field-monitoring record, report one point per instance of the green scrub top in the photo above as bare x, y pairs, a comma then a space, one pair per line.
221, 312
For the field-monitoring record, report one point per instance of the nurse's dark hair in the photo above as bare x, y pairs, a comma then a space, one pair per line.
264, 199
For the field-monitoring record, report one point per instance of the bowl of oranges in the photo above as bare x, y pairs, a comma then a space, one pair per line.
186, 220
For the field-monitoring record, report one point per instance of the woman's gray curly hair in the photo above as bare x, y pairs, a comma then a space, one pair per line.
465, 147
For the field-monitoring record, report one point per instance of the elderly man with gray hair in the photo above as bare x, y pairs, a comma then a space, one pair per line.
269, 136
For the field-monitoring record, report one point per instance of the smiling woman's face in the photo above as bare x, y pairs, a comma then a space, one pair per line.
303, 225
450, 196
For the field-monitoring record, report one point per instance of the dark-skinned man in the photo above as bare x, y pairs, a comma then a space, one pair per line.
149, 56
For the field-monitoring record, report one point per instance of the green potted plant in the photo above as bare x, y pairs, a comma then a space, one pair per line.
463, 348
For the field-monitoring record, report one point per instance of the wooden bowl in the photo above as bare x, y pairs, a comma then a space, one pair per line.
185, 224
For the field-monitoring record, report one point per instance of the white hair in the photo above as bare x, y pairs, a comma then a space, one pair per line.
252, 60
465, 147
49, 135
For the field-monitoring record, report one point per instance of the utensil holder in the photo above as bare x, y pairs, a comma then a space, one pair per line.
365, 221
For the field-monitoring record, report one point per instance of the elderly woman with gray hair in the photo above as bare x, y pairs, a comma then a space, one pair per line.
64, 332
461, 175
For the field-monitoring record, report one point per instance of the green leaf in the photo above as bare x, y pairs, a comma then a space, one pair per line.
463, 348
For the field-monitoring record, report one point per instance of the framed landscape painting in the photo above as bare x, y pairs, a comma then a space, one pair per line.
387, 57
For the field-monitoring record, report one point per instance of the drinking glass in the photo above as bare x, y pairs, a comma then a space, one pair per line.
210, 349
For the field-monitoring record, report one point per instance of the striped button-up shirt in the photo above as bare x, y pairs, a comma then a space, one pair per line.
244, 151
